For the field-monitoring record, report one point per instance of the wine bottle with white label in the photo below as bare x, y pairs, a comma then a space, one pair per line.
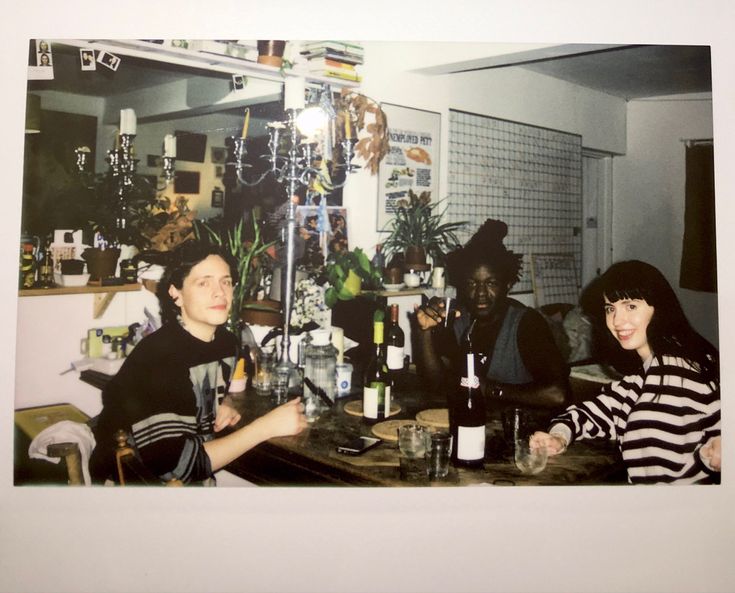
376, 390
467, 411
395, 341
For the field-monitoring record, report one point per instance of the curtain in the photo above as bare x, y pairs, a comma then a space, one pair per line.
699, 258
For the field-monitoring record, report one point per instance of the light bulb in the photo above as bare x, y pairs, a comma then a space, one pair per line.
310, 120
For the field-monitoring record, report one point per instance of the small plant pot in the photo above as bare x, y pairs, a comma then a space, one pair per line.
415, 257
101, 263
271, 53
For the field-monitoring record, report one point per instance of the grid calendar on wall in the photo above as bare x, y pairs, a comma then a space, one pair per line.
527, 176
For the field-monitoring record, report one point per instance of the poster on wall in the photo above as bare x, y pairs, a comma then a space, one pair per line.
323, 230
412, 161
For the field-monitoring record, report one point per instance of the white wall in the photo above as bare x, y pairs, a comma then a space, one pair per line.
509, 93
648, 193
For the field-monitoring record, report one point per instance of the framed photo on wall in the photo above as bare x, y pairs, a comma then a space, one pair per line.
413, 160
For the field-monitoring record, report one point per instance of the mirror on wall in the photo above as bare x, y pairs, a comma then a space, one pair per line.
81, 107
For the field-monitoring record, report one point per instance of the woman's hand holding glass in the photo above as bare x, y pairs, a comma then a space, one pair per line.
553, 443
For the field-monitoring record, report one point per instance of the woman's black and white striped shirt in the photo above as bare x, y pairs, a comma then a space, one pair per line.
660, 419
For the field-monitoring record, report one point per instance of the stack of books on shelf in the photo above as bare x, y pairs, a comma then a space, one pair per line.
334, 59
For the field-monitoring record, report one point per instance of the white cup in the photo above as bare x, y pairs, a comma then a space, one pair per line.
411, 280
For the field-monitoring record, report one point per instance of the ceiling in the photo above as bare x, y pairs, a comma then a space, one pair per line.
635, 72
629, 72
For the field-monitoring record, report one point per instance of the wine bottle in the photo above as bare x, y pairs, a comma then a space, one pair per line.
467, 411
376, 390
395, 341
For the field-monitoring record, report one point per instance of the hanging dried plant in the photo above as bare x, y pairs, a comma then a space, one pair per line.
366, 115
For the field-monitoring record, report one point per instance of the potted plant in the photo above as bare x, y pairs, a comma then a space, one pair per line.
417, 230
105, 222
347, 273
254, 262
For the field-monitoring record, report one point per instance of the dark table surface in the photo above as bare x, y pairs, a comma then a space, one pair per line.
310, 458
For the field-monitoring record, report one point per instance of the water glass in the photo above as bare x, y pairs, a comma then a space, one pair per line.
411, 441
450, 311
438, 453
530, 461
281, 377
263, 380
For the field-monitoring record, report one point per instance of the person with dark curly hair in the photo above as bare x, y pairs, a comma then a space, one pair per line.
521, 363
170, 394
665, 412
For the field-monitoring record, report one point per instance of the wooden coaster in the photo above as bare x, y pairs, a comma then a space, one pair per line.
354, 408
388, 429
437, 417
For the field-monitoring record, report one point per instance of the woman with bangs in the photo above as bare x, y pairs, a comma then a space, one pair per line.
665, 412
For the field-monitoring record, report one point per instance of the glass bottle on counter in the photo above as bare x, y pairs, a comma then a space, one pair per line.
395, 341
376, 390
27, 266
378, 260
46, 268
320, 362
467, 411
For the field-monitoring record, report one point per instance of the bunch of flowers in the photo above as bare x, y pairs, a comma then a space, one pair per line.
308, 304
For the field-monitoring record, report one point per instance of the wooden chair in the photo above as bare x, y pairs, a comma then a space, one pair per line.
131, 470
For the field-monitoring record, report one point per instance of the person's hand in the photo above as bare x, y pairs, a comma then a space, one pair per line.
553, 443
711, 453
226, 416
432, 314
286, 420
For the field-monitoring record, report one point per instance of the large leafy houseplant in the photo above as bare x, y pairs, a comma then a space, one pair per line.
418, 223
347, 273
252, 258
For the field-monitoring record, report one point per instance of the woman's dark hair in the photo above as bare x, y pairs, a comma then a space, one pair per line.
668, 333
486, 248
178, 264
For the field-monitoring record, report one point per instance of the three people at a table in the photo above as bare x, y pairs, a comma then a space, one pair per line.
170, 395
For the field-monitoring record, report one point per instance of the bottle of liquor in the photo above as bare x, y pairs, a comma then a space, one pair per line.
395, 341
467, 411
27, 266
378, 260
46, 268
376, 390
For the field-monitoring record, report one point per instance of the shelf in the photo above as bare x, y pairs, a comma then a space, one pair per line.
103, 295
198, 59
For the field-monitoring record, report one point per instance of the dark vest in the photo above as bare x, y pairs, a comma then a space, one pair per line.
506, 364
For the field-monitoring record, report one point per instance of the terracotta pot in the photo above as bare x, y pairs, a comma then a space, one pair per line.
272, 317
415, 255
101, 263
271, 52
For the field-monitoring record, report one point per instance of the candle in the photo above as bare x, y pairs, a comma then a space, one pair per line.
128, 121
338, 341
348, 126
246, 124
293, 94
169, 145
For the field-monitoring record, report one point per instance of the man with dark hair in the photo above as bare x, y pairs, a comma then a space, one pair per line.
521, 364
169, 395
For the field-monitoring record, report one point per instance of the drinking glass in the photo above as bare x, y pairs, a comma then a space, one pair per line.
263, 380
530, 461
413, 449
438, 453
450, 310
281, 376
411, 441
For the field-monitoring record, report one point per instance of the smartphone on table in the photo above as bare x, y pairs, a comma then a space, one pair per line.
358, 445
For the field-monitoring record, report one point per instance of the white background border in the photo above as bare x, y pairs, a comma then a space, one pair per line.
472, 539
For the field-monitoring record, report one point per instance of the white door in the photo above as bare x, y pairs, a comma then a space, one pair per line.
596, 214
